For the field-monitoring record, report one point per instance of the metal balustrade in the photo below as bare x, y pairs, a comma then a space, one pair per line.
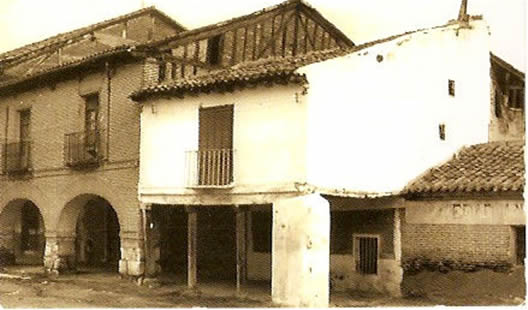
17, 157
83, 149
209, 168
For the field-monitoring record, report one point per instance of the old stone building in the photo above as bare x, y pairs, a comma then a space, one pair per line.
468, 213
268, 147
70, 140
477, 194
71, 134
272, 146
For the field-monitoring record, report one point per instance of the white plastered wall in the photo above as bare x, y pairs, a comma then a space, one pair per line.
373, 115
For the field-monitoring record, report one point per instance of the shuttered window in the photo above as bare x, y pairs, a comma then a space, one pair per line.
366, 253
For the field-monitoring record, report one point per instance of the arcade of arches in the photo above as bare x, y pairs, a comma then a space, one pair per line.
21, 233
87, 235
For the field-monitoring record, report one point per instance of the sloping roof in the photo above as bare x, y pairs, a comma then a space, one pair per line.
283, 5
488, 167
118, 50
64, 37
246, 71
507, 66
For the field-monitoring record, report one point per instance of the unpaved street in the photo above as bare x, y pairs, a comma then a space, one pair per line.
29, 288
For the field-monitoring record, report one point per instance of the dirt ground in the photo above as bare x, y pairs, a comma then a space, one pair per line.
32, 288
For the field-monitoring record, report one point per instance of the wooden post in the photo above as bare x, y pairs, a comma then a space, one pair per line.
192, 221
241, 251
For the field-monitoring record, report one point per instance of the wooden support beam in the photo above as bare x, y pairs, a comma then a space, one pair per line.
183, 64
295, 34
192, 242
187, 61
280, 32
206, 32
272, 38
241, 247
254, 53
245, 44
59, 56
124, 32
307, 36
234, 51
316, 27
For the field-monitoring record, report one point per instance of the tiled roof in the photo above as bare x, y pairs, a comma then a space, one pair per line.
70, 64
247, 72
254, 70
488, 167
501, 62
64, 37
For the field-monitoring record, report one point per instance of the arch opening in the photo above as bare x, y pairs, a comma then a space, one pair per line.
90, 232
22, 240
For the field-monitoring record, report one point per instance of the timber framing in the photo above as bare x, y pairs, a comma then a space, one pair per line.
497, 61
52, 44
252, 19
123, 54
289, 28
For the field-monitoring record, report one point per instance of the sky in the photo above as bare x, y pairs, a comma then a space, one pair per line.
26, 21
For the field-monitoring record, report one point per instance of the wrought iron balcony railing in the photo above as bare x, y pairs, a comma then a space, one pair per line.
17, 157
83, 149
209, 168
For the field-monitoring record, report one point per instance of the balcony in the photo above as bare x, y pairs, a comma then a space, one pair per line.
17, 157
211, 168
83, 149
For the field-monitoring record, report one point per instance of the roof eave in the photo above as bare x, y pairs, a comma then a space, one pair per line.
57, 71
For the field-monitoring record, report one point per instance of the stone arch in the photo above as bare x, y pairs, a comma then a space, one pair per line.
96, 186
25, 191
88, 232
22, 231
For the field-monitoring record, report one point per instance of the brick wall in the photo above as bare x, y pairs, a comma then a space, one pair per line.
464, 243
58, 109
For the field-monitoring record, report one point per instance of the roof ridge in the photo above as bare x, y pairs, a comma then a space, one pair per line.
235, 19
67, 35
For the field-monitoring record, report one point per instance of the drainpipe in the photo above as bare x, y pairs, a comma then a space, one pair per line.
108, 99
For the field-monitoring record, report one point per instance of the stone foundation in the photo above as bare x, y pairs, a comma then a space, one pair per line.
60, 256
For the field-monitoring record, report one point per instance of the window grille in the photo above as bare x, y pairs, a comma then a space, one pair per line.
366, 253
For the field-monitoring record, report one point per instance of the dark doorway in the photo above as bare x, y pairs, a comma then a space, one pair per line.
31, 232
216, 244
172, 224
520, 240
97, 242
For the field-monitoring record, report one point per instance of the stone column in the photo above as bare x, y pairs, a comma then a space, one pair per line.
132, 262
301, 252
59, 254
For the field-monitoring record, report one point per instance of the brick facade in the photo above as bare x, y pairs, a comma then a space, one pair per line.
462, 243
59, 191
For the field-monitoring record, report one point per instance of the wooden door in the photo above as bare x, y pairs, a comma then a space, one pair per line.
215, 160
